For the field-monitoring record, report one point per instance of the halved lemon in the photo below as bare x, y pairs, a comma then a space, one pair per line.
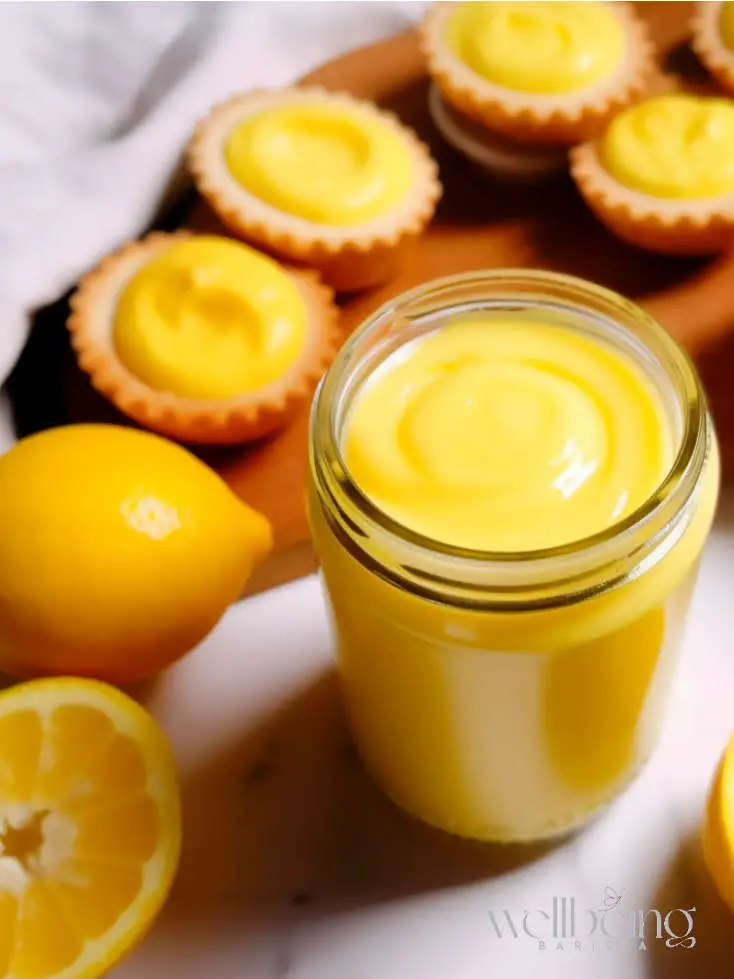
90, 827
718, 830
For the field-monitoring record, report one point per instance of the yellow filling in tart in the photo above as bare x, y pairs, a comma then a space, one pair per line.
325, 163
209, 318
542, 48
673, 146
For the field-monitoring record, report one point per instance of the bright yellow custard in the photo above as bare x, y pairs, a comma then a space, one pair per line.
726, 25
485, 709
673, 146
322, 162
507, 435
541, 48
209, 318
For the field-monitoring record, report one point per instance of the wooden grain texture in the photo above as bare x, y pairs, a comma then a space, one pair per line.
478, 226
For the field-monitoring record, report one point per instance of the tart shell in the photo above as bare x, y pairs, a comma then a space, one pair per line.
243, 418
708, 46
673, 227
551, 119
349, 258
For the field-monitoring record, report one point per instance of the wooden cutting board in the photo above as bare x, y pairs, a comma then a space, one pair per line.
478, 225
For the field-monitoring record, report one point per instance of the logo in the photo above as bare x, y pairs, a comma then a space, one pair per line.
562, 926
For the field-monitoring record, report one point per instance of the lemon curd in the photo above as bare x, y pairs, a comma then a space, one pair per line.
540, 48
324, 163
507, 435
673, 146
512, 478
209, 318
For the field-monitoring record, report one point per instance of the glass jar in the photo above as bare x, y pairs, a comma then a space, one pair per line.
508, 696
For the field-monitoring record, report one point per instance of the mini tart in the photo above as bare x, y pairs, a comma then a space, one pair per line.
322, 179
653, 186
142, 331
713, 40
515, 43
495, 155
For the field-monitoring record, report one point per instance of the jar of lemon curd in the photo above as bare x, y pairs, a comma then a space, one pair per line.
512, 476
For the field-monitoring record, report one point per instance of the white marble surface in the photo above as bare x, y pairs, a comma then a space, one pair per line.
295, 866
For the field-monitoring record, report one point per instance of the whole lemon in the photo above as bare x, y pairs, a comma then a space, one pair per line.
119, 552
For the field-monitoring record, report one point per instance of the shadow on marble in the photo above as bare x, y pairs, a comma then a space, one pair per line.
286, 819
687, 884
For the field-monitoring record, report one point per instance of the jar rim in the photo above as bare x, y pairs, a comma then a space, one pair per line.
536, 287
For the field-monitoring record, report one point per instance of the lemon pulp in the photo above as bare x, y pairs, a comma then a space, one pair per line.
209, 318
89, 827
544, 48
507, 435
324, 163
673, 146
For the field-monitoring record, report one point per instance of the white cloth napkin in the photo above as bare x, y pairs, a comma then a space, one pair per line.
98, 102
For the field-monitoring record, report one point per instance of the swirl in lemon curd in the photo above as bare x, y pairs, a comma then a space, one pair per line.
209, 318
507, 435
320, 161
673, 146
545, 48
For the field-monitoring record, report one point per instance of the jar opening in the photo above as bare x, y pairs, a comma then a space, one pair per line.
573, 304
